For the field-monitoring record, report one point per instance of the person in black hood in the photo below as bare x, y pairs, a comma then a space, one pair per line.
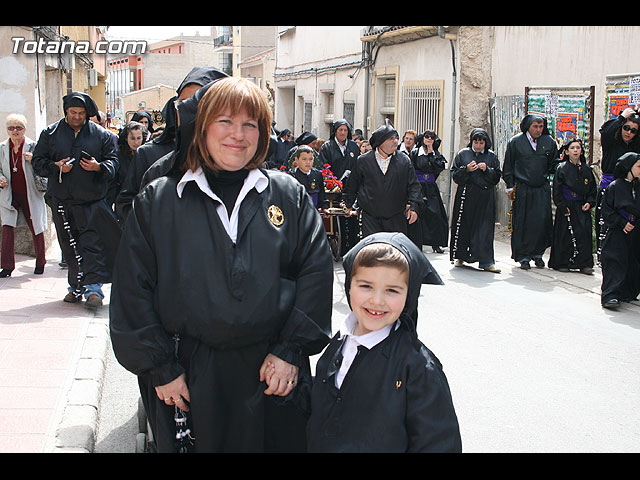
529, 159
428, 162
476, 171
163, 144
79, 159
620, 256
385, 185
378, 388
231, 261
146, 120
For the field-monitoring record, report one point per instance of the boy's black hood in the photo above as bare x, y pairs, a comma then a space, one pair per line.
420, 269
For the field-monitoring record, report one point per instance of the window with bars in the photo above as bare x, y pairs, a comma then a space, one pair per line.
349, 112
308, 108
422, 106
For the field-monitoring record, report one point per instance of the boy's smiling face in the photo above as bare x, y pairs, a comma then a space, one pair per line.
377, 296
305, 161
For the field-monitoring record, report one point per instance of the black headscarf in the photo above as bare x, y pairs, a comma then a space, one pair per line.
80, 100
483, 133
305, 138
337, 124
563, 149
624, 164
420, 271
382, 133
529, 119
436, 141
142, 114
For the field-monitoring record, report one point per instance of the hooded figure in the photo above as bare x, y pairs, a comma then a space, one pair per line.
529, 160
392, 396
339, 156
574, 194
139, 117
162, 145
81, 100
620, 256
476, 173
432, 227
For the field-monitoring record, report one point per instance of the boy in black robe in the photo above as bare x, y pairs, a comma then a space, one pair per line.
574, 194
310, 177
620, 256
377, 387
384, 183
528, 161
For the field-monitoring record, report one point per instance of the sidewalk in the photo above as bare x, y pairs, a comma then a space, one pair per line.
53, 354
51, 361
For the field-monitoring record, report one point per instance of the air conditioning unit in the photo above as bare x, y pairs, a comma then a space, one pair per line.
93, 77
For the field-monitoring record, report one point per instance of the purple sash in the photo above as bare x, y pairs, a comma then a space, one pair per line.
570, 195
422, 178
314, 198
629, 217
607, 178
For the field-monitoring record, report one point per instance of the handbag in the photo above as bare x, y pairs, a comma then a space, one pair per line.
41, 183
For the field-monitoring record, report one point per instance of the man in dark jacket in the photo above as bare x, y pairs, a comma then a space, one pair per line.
79, 159
384, 182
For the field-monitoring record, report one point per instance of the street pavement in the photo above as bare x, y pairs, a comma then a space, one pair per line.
53, 354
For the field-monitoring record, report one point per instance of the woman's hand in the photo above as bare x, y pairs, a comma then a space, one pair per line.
281, 377
628, 227
175, 393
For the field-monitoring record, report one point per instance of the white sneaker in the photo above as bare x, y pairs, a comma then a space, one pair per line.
459, 263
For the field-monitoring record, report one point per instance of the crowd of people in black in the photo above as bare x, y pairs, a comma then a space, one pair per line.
211, 231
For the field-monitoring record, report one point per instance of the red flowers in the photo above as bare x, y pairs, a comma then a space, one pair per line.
331, 183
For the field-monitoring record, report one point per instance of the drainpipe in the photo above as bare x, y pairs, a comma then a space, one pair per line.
452, 39
366, 60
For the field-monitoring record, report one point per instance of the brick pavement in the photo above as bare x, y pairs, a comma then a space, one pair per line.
51, 361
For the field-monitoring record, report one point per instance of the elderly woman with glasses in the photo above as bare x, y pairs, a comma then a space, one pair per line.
21, 203
223, 284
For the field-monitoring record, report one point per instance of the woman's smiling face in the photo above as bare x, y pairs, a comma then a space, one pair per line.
232, 140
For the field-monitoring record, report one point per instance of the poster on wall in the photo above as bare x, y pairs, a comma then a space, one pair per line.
622, 92
565, 114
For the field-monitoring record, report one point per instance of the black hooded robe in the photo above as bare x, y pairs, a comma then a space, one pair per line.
573, 186
473, 218
339, 163
395, 397
527, 170
433, 221
620, 255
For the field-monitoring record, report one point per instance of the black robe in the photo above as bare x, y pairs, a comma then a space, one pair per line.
613, 147
383, 197
473, 219
528, 171
572, 246
178, 272
620, 251
433, 221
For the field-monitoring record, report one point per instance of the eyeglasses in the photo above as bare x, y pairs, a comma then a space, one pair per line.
17, 127
627, 128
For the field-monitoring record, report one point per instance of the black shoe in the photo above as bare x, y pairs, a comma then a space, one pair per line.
613, 303
525, 266
437, 250
562, 269
5, 273
39, 270
539, 262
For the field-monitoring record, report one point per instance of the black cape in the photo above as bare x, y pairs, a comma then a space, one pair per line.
528, 171
573, 186
620, 255
473, 218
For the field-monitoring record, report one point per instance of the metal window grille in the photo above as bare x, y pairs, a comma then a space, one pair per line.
422, 106
308, 107
349, 112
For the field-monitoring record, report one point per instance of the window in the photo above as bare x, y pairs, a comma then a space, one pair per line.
422, 106
308, 108
349, 112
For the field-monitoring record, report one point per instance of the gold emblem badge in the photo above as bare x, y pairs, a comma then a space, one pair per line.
398, 383
275, 215
313, 185
586, 181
